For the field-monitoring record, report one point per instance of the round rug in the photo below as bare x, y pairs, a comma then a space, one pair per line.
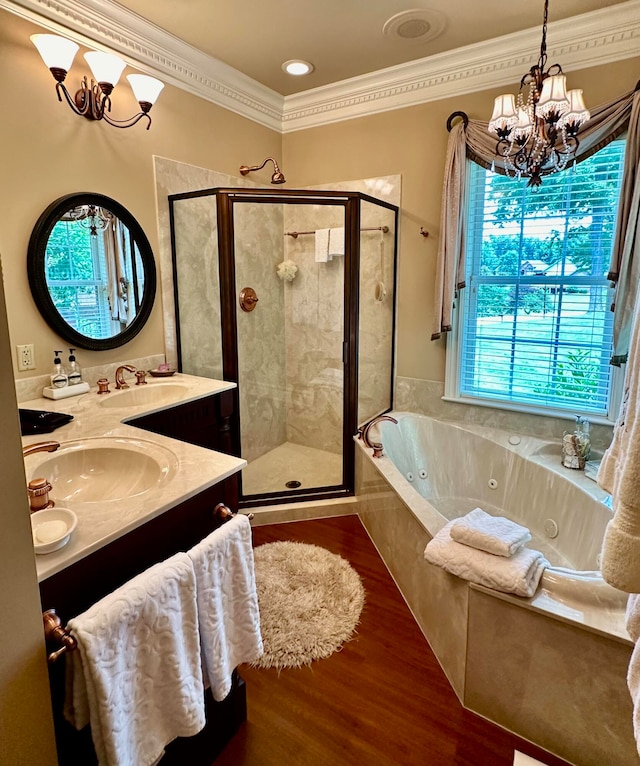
310, 602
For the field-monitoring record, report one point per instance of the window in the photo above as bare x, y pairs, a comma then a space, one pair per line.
535, 326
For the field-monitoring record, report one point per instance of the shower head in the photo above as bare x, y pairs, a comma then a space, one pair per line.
276, 178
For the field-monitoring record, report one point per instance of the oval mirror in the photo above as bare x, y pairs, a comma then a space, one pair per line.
91, 271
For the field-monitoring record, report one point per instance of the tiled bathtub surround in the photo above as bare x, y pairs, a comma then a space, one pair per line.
425, 397
546, 670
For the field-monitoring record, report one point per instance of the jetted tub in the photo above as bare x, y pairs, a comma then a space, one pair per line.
442, 470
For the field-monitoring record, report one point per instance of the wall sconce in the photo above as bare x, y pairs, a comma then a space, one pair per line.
93, 101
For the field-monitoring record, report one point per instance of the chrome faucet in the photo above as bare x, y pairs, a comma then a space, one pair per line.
38, 489
364, 434
120, 381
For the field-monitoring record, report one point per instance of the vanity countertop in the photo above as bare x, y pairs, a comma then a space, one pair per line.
194, 469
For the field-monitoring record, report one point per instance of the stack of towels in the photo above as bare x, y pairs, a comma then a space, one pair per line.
488, 550
147, 650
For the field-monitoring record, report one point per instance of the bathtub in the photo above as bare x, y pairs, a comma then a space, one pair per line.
551, 668
443, 470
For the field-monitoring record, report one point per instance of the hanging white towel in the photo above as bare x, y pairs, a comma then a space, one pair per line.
322, 246
227, 602
136, 676
493, 534
336, 242
619, 475
633, 672
519, 574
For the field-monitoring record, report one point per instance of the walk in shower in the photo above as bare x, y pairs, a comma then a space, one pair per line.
291, 294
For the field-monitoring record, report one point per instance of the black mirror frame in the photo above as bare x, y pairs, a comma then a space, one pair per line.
37, 274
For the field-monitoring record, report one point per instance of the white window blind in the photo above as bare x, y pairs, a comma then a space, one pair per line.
537, 326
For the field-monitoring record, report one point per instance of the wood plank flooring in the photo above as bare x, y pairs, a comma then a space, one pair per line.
381, 701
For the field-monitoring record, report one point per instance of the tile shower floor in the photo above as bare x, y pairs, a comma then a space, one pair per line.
291, 462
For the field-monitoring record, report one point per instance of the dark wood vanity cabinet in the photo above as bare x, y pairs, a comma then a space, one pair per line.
207, 422
71, 591
75, 588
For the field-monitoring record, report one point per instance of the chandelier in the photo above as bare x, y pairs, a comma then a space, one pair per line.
539, 136
93, 100
90, 217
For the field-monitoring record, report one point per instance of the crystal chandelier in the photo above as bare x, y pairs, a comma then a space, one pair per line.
540, 136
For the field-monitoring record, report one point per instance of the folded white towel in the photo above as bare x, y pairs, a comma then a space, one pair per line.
322, 246
227, 602
633, 672
493, 534
336, 242
518, 574
137, 676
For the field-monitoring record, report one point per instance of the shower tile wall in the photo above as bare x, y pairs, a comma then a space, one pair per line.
376, 311
259, 248
314, 309
176, 178
314, 352
198, 277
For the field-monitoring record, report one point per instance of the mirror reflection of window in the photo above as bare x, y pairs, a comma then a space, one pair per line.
94, 271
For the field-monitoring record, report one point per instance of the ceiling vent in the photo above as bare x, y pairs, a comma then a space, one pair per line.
417, 25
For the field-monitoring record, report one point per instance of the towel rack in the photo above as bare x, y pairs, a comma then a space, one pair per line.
55, 634
296, 234
223, 513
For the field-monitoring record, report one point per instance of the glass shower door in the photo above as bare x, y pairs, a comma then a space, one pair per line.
290, 335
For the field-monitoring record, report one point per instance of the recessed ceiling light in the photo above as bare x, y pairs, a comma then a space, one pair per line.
297, 67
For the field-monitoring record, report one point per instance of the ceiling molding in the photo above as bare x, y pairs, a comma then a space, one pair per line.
592, 39
107, 26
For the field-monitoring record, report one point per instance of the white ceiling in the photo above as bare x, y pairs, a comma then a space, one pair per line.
342, 38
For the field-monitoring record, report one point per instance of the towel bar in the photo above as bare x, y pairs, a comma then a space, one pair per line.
223, 513
56, 634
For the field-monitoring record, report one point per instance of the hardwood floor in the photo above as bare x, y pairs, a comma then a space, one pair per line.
381, 701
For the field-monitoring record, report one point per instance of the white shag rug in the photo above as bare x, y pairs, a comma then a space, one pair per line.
310, 602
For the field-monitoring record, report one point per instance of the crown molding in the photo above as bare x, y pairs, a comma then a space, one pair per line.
592, 39
104, 25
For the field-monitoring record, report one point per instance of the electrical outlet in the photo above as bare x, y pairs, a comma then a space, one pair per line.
26, 357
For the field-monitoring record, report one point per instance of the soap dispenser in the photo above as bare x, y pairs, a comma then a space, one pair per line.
59, 378
73, 369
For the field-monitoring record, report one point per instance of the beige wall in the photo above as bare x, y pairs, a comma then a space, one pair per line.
26, 728
413, 142
47, 152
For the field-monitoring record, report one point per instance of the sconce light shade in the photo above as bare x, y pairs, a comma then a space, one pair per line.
146, 89
105, 67
57, 52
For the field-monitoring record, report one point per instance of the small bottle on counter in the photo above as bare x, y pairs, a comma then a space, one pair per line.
59, 378
74, 373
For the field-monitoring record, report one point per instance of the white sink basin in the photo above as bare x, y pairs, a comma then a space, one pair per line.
103, 469
153, 393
